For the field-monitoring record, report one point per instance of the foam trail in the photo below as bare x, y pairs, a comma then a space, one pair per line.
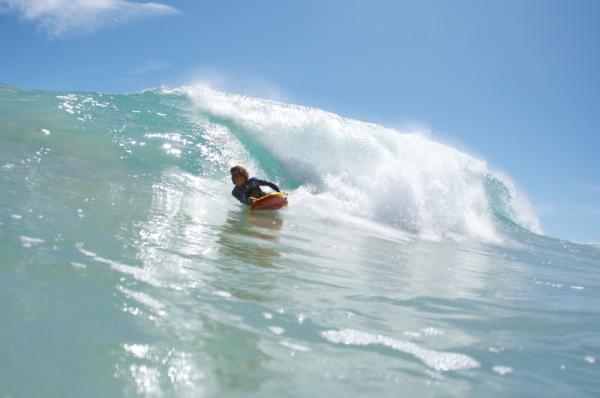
444, 361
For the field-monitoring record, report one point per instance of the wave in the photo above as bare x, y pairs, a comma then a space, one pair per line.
401, 179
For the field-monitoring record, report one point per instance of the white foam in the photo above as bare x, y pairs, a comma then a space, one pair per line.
590, 359
401, 179
444, 361
295, 347
502, 370
27, 241
145, 300
138, 350
267, 315
431, 331
147, 380
78, 265
140, 274
276, 330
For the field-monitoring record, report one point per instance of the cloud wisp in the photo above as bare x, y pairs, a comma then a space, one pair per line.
61, 18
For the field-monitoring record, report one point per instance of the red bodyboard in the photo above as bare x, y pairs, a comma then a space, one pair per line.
272, 201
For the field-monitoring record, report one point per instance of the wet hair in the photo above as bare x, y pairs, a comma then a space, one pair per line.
241, 170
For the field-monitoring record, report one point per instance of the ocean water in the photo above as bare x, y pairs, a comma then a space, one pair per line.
401, 267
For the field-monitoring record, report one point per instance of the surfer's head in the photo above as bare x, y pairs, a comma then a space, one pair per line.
239, 175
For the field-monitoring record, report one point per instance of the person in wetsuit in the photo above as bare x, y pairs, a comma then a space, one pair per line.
247, 189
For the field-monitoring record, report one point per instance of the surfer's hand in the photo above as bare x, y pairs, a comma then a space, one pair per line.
251, 200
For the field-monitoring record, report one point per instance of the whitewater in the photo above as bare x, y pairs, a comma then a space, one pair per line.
402, 266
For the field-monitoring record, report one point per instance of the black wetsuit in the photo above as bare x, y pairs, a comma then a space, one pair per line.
251, 188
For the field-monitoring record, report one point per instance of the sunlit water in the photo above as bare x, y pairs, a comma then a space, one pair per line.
401, 267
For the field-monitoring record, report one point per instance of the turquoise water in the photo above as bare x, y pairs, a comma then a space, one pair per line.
402, 267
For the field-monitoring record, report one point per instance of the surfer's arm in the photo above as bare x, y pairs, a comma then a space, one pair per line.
247, 200
269, 184
239, 195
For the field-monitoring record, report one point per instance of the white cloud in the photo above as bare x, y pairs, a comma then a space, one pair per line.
67, 17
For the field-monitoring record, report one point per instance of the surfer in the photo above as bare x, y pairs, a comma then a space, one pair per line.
247, 189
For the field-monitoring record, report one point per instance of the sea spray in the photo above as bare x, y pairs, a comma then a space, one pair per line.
403, 179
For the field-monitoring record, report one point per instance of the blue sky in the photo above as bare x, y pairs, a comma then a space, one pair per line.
514, 82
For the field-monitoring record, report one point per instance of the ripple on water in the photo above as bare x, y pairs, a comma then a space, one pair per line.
293, 346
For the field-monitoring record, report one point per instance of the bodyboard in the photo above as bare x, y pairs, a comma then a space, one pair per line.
271, 201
